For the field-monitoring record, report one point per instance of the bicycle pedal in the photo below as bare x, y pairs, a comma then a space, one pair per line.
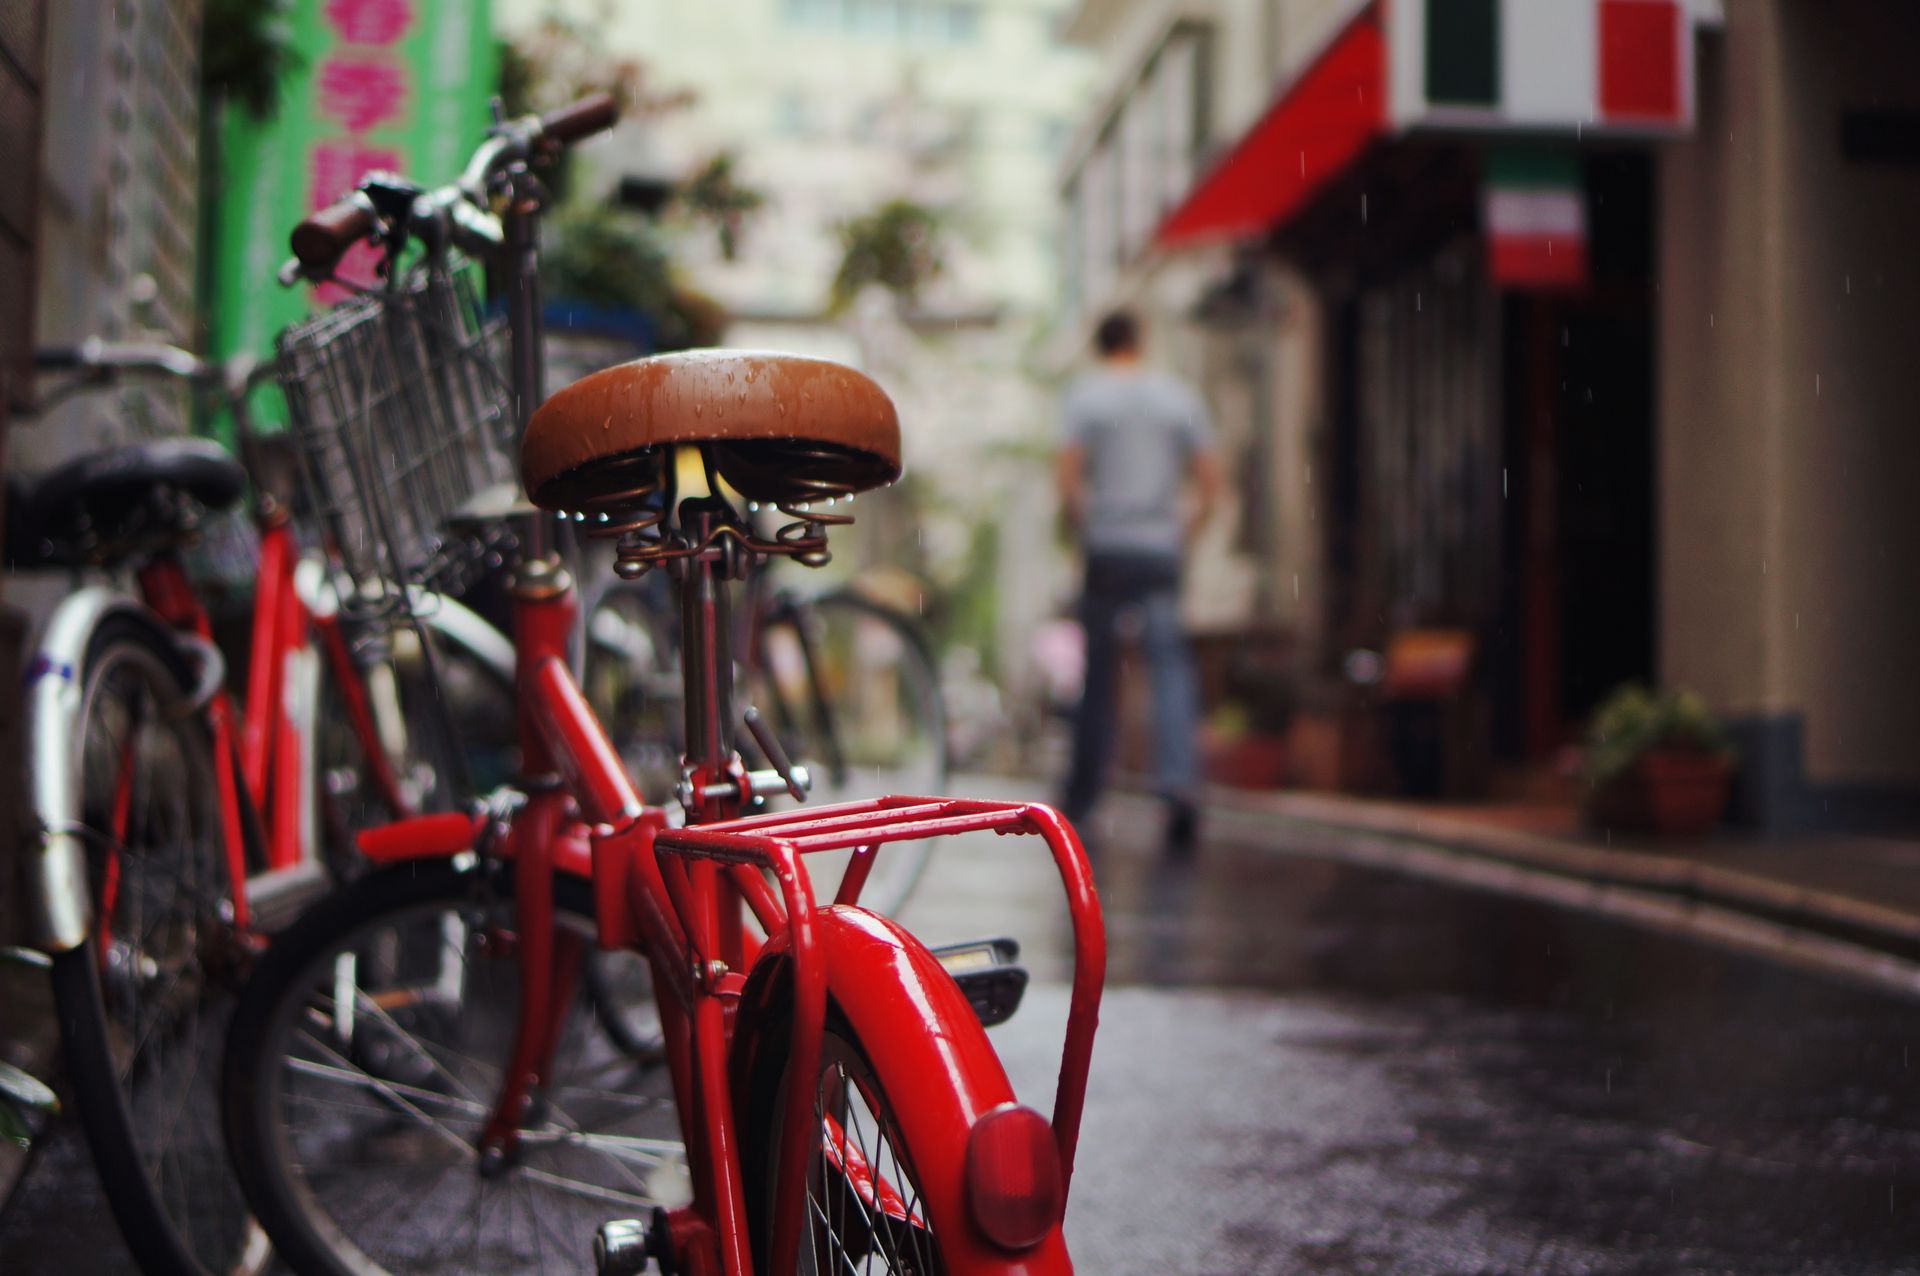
989, 974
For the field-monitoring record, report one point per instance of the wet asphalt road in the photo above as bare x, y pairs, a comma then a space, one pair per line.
1309, 1068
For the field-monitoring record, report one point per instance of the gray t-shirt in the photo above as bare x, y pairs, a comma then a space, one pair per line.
1139, 429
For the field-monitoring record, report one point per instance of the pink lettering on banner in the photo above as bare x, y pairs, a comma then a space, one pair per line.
361, 95
376, 22
334, 168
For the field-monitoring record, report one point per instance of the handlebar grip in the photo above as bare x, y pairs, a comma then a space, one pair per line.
584, 118
320, 241
58, 358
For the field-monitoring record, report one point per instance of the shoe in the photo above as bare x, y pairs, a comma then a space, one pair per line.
1183, 829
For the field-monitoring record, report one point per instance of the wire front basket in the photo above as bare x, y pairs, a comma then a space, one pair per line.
402, 413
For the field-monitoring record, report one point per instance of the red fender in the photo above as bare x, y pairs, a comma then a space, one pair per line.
939, 1082
450, 833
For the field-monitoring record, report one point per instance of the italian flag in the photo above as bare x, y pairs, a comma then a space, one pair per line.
1535, 212
1596, 64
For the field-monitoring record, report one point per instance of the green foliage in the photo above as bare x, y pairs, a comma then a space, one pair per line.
246, 52
560, 60
519, 78
1635, 720
600, 256
715, 194
896, 246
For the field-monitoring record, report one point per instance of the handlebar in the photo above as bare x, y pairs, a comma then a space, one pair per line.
95, 355
96, 364
459, 210
590, 115
323, 238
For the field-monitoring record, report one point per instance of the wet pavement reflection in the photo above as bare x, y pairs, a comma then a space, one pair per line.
1305, 1067
1308, 1068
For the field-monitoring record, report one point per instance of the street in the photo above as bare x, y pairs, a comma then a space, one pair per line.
1304, 1067
1310, 1068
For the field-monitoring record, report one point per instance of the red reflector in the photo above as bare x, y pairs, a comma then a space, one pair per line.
1013, 1176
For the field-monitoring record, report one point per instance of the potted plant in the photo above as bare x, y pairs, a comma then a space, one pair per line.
1244, 740
1656, 762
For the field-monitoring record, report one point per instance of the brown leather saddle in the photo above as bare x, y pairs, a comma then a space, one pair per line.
779, 428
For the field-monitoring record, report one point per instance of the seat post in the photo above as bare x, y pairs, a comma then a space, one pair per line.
706, 658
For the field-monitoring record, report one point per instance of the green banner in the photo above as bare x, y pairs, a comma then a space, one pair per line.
379, 84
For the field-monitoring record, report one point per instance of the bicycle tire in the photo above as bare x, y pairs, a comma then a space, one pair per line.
840, 1221
622, 998
345, 794
862, 710
158, 997
630, 674
381, 918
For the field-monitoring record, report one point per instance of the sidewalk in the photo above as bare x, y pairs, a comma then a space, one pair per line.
1846, 904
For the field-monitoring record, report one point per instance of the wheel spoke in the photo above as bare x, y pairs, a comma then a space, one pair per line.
393, 1109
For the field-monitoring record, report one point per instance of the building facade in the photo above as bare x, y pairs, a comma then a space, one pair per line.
1605, 298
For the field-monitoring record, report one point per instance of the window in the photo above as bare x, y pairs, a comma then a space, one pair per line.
813, 12
915, 21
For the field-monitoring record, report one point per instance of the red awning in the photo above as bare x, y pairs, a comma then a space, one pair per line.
1303, 141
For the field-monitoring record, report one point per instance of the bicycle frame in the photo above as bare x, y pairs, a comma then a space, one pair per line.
260, 754
682, 898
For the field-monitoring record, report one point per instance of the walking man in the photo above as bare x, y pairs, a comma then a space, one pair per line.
1138, 476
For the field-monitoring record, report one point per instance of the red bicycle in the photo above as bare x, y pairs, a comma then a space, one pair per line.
172, 824
412, 1081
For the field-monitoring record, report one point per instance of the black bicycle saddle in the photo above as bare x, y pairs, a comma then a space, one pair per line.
104, 507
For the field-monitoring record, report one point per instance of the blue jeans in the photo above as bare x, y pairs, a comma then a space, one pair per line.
1146, 588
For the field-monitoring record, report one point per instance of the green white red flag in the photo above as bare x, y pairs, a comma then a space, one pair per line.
1600, 65
1534, 211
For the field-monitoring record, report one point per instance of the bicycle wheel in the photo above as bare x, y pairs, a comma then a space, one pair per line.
630, 675
863, 1202
347, 795
411, 713
850, 687
144, 1002
365, 1060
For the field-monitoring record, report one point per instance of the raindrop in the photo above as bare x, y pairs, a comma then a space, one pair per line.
1816, 385
1296, 587
1363, 208
1709, 318
1503, 482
